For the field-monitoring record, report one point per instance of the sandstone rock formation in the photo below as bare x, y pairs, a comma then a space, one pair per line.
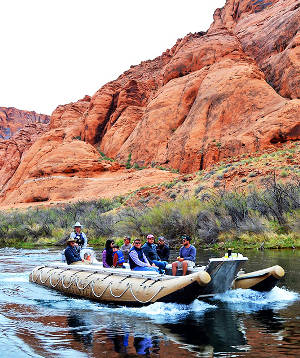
13, 119
18, 131
231, 90
213, 95
60, 166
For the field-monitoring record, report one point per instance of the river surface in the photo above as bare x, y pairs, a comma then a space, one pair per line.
38, 322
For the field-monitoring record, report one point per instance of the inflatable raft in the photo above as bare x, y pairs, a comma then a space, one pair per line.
127, 287
120, 285
136, 288
262, 280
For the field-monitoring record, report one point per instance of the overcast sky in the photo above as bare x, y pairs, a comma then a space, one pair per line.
55, 51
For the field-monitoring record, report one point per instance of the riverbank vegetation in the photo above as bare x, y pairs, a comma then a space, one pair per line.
268, 217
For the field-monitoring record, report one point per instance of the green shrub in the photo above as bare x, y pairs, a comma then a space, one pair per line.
283, 174
128, 163
104, 157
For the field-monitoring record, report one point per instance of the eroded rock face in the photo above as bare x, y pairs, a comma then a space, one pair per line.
213, 95
12, 120
18, 131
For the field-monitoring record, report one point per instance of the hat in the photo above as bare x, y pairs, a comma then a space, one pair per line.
71, 239
161, 238
77, 224
150, 236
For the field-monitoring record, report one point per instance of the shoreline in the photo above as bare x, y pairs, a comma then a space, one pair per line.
289, 241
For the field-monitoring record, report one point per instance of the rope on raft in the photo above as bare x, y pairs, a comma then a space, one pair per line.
77, 281
150, 299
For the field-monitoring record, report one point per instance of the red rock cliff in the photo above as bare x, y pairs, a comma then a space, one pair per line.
214, 95
13, 119
232, 90
18, 131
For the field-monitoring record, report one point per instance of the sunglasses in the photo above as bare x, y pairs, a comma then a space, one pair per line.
137, 243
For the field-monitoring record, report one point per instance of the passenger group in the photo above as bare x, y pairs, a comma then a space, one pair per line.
146, 257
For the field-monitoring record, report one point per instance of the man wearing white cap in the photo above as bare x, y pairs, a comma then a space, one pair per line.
79, 237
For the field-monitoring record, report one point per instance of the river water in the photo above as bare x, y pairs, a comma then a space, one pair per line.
38, 322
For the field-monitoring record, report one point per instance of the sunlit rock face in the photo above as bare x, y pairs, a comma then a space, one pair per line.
232, 90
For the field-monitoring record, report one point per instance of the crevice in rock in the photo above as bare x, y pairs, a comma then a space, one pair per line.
201, 162
101, 127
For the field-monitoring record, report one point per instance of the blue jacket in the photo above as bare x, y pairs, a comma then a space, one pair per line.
150, 252
72, 255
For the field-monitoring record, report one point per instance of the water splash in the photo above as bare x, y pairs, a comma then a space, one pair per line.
250, 301
160, 312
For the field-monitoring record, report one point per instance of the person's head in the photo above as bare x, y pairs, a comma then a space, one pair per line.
127, 240
137, 243
150, 239
115, 248
161, 241
71, 242
77, 227
109, 244
185, 240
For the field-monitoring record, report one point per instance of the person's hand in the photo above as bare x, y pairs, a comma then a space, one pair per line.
180, 259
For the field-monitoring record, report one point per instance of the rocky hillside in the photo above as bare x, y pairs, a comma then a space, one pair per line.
231, 91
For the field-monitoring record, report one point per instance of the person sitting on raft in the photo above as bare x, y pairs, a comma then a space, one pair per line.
126, 247
186, 258
107, 254
72, 254
162, 249
118, 258
149, 249
137, 259
80, 237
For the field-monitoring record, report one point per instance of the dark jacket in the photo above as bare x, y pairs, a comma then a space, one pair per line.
150, 252
72, 255
140, 255
163, 252
107, 256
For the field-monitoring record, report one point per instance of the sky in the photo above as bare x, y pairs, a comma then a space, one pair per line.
54, 52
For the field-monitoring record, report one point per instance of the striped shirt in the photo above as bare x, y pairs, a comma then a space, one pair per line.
134, 256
